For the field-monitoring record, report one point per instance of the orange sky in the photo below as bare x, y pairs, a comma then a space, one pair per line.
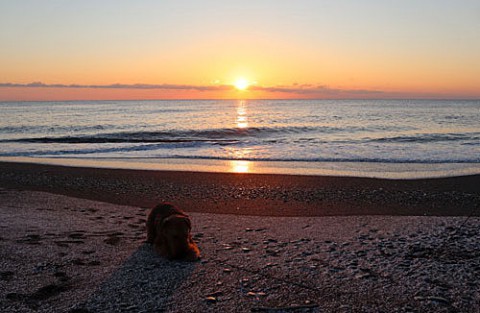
285, 49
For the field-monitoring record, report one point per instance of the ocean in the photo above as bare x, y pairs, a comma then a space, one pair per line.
373, 138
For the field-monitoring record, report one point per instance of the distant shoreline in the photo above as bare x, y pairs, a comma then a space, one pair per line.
253, 194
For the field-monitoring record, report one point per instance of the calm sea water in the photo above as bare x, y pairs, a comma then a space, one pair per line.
339, 135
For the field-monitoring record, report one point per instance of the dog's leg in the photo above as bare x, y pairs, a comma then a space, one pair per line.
160, 246
193, 254
164, 248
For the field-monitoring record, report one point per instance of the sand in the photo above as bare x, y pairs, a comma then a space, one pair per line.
253, 194
70, 254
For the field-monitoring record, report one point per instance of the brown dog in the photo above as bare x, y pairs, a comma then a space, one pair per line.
168, 229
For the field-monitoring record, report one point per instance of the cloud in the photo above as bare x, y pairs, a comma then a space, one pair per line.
295, 89
308, 89
122, 86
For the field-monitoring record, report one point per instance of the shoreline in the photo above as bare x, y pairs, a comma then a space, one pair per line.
365, 169
253, 194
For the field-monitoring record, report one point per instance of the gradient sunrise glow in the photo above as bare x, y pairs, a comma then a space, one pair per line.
67, 50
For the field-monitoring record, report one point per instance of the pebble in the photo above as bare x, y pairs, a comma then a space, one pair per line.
215, 294
362, 275
211, 299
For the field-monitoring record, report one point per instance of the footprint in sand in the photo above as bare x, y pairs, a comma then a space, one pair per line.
41, 294
86, 211
62, 276
32, 239
77, 235
65, 243
113, 239
6, 275
80, 310
78, 261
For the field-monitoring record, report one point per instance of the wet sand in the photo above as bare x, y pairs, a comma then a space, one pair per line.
253, 194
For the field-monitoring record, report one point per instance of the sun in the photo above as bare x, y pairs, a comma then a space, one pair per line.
241, 84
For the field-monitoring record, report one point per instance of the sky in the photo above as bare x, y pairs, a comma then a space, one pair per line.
77, 50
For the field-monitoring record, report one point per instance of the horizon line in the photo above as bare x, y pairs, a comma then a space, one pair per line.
255, 99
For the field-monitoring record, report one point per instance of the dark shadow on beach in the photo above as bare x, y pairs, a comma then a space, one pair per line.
145, 282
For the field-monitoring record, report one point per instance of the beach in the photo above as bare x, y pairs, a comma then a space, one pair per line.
252, 194
73, 241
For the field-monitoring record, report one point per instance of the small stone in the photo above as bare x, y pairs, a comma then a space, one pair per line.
215, 294
251, 294
227, 270
361, 253
7, 275
272, 252
439, 299
362, 275
211, 299
246, 250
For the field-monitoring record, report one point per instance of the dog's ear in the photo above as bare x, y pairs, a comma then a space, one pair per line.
165, 225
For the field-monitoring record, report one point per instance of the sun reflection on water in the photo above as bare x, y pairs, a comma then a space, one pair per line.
240, 166
242, 120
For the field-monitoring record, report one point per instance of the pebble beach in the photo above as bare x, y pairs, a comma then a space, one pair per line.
72, 249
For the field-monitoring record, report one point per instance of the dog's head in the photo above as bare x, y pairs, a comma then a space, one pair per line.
175, 230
